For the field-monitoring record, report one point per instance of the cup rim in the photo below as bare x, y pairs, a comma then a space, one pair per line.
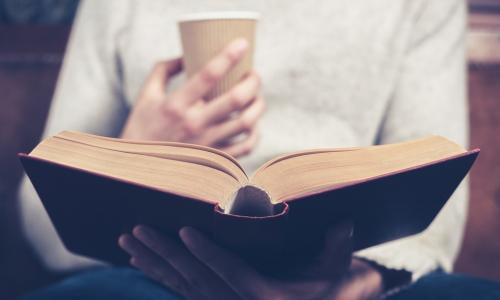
218, 15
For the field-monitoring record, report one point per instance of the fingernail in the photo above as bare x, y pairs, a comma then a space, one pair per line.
133, 261
238, 46
142, 232
122, 241
188, 234
346, 229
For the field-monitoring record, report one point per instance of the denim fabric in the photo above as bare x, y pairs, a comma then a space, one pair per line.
104, 284
128, 284
443, 286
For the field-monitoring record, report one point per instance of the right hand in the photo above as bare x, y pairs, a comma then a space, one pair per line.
184, 116
201, 269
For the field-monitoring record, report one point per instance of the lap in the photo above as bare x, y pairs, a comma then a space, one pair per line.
104, 284
128, 284
445, 286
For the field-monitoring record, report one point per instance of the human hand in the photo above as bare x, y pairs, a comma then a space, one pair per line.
203, 270
184, 116
361, 282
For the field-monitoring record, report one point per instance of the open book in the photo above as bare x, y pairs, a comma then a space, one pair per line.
95, 188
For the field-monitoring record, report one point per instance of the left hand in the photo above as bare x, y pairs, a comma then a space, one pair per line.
203, 270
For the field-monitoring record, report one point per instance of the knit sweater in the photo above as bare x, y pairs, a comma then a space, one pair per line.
334, 73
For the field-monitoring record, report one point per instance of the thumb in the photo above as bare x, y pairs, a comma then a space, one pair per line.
162, 72
336, 255
338, 237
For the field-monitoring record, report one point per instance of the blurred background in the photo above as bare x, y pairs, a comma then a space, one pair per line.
33, 35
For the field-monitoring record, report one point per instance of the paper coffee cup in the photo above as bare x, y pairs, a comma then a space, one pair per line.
204, 35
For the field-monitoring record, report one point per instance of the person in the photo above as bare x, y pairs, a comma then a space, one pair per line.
331, 74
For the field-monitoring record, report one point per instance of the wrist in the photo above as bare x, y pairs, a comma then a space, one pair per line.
389, 278
371, 277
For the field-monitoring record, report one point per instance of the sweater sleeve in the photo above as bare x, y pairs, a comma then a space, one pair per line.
430, 98
87, 98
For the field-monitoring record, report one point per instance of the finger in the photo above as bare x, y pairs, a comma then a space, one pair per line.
336, 255
161, 73
152, 265
174, 67
198, 277
363, 281
245, 122
131, 245
237, 99
203, 81
178, 286
338, 235
144, 264
243, 147
244, 280
165, 247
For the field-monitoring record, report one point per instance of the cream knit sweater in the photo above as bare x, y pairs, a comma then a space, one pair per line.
335, 73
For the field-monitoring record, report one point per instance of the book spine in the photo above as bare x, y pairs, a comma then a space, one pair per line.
259, 240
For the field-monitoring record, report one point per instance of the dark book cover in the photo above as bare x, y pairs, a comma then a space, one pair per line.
90, 211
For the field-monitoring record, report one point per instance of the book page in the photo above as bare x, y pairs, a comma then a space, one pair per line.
182, 178
176, 151
251, 201
297, 175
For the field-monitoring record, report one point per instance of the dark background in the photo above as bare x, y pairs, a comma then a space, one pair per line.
33, 36
37, 11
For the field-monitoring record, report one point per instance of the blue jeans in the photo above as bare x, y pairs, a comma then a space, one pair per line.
128, 284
